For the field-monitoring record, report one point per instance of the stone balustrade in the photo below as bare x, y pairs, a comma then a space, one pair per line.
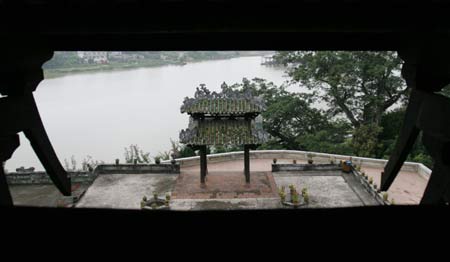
302, 155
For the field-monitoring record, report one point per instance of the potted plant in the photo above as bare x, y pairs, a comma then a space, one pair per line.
292, 189
282, 194
304, 191
155, 202
167, 199
385, 196
306, 197
295, 198
143, 202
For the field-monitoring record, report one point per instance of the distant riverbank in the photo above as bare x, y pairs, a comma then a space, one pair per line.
92, 68
144, 63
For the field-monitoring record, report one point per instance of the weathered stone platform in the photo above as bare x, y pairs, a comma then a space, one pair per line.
125, 190
226, 188
225, 185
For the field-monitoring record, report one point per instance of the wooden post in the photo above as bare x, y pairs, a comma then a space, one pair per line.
5, 195
405, 141
8, 145
19, 112
206, 161
247, 163
203, 164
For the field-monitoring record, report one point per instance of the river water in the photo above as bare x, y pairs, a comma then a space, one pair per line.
99, 114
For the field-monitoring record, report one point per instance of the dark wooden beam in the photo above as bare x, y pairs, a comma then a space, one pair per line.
437, 185
43, 148
201, 25
20, 74
20, 113
405, 141
434, 121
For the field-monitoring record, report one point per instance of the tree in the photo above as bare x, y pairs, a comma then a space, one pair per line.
332, 139
134, 153
361, 85
391, 123
365, 140
291, 116
288, 115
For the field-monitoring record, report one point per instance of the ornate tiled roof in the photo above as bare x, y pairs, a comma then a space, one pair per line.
226, 118
222, 106
227, 102
223, 132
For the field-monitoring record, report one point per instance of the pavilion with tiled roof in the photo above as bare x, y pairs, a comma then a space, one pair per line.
225, 118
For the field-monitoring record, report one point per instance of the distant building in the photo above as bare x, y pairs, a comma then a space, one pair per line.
125, 56
116, 55
97, 57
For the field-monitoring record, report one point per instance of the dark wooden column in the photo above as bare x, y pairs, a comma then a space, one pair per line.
426, 71
7, 147
203, 164
434, 122
20, 74
247, 163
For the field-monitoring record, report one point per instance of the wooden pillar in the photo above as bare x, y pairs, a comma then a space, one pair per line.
20, 73
5, 195
203, 164
7, 147
405, 141
434, 122
247, 163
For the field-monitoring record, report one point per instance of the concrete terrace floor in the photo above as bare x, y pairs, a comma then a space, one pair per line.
407, 188
126, 190
43, 195
226, 189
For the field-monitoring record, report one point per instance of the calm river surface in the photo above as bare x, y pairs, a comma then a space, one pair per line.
98, 114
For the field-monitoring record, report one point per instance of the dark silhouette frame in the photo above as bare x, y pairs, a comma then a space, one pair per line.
34, 29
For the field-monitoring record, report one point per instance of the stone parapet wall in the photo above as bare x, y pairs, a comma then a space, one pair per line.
19, 178
321, 158
305, 167
138, 169
370, 187
41, 177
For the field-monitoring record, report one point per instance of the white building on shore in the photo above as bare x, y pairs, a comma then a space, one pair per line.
98, 57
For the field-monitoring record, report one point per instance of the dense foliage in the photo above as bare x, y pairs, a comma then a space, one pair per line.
365, 96
295, 124
361, 85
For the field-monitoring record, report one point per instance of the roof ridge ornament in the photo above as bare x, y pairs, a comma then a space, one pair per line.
202, 93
